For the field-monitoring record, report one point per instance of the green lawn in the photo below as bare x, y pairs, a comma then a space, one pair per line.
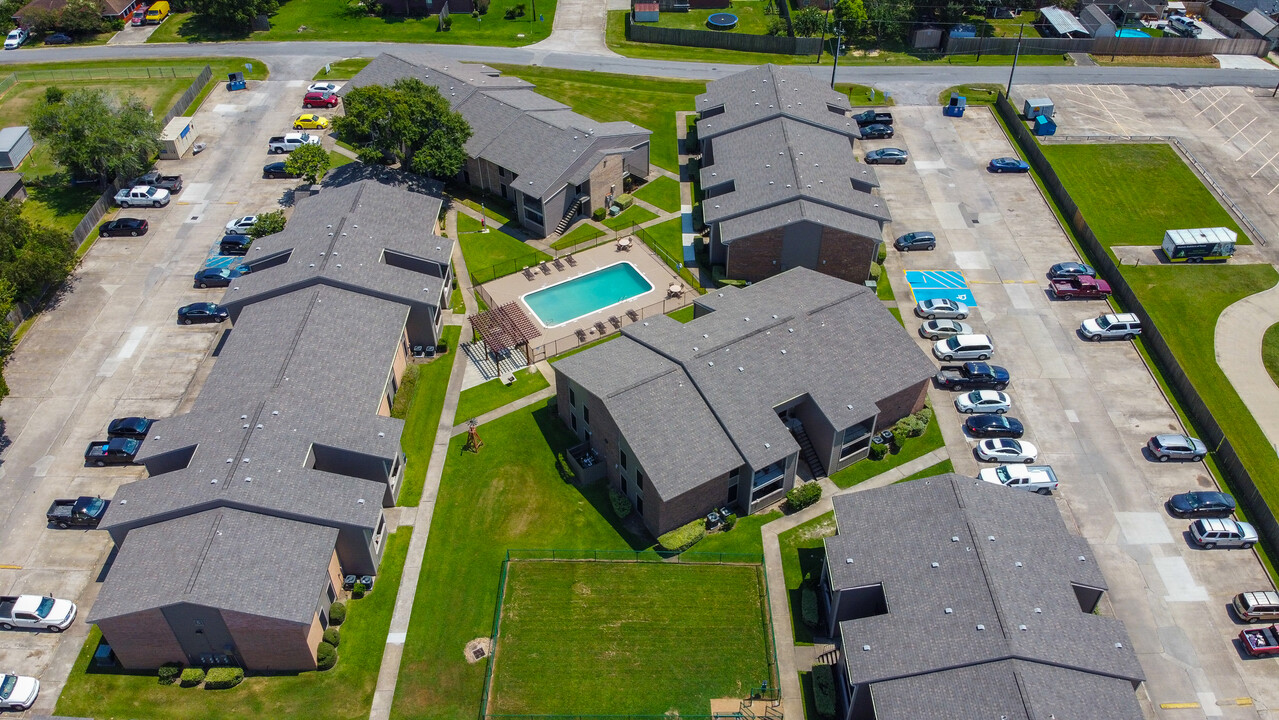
633, 215
945, 466
973, 93
648, 102
580, 234
629, 626
914, 447
494, 248
751, 19
345, 692
744, 538
802, 555
589, 345
863, 95
508, 495
343, 69
1113, 185
683, 315
1007, 27
474, 402
337, 159
1270, 352
669, 237
897, 314
315, 20
662, 192
495, 209
423, 418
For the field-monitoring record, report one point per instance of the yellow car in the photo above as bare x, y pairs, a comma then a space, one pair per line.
311, 122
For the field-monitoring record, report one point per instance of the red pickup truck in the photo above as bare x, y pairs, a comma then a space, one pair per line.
1261, 642
1080, 287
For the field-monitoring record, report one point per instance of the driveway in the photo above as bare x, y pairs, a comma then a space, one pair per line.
111, 348
1088, 407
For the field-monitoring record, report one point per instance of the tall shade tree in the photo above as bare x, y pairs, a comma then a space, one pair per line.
308, 162
96, 136
233, 13
408, 123
850, 18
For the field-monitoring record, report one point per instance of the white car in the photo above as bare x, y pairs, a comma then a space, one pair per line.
1006, 450
983, 401
18, 692
1121, 326
322, 87
941, 308
241, 225
15, 39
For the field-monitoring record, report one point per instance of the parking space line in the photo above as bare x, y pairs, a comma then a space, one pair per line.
1179, 706
1263, 165
1273, 189
1254, 145
1223, 117
1211, 105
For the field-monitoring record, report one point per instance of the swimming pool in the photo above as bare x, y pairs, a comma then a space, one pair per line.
567, 301
1130, 33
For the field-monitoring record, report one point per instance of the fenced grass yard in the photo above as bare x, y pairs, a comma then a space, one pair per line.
803, 552
633, 215
580, 234
491, 395
662, 192
493, 248
423, 416
911, 449
751, 18
634, 630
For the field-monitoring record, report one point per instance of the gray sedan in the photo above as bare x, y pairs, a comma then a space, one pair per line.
938, 329
941, 308
1176, 447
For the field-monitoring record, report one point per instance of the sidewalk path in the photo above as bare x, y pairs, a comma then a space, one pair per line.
1238, 347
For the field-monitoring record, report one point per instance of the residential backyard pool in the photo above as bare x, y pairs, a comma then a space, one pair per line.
569, 300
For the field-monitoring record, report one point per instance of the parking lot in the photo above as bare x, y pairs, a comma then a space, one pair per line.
1089, 408
112, 348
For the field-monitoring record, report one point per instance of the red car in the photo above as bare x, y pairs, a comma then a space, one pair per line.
140, 15
320, 100
1080, 287
1261, 642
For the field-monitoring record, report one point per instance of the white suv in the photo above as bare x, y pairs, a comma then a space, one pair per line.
1210, 533
15, 39
1123, 326
964, 347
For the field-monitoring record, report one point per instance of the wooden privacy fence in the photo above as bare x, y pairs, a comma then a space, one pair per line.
188, 96
640, 32
1238, 478
1108, 46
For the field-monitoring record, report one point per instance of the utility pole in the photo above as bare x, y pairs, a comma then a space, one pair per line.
823, 45
836, 65
1016, 53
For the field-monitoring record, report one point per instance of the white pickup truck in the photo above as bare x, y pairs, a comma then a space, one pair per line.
1036, 478
18, 692
289, 142
142, 195
36, 612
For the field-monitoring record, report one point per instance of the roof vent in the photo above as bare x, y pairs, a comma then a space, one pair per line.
981, 627
710, 363
275, 412
990, 538
230, 459
954, 538
1017, 564
245, 460
949, 611
245, 426
936, 565
850, 407
1082, 558
214, 481
783, 352
244, 417
248, 479
360, 501
746, 319
865, 648
1021, 628
1039, 611
694, 348
259, 426
1119, 646
381, 434
766, 445
739, 368
790, 329
339, 264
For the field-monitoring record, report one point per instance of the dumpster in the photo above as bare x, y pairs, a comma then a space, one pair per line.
956, 106
1045, 126
235, 81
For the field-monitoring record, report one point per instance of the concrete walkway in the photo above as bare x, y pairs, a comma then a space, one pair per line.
1238, 347
579, 29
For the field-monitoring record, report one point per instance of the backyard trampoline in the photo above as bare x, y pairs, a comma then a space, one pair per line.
722, 21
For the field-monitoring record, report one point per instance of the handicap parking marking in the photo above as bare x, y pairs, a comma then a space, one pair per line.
934, 284
222, 261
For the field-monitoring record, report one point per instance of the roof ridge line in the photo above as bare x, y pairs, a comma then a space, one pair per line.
204, 553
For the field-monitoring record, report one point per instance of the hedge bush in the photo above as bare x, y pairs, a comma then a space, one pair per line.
808, 606
685, 537
621, 503
599, 214
801, 496
332, 636
326, 656
192, 677
169, 673
337, 613
877, 451
730, 522
624, 200
824, 691
224, 678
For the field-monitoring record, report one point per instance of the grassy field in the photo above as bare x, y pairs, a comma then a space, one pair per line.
662, 192
751, 19
629, 626
580, 234
484, 250
1103, 181
914, 447
345, 692
343, 69
423, 419
633, 215
1270, 352
474, 402
648, 102
1009, 27
314, 20
974, 93
802, 554
508, 495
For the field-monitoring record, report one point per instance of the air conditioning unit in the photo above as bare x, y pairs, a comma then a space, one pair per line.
508, 378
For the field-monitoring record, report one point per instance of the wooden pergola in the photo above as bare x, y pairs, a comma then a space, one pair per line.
506, 327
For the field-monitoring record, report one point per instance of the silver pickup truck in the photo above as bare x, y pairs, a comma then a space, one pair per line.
1035, 478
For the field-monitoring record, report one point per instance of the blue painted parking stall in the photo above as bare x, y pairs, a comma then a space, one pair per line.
933, 284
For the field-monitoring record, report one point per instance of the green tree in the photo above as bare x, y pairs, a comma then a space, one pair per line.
233, 13
850, 18
890, 19
33, 257
95, 135
82, 17
267, 224
308, 162
408, 122
809, 22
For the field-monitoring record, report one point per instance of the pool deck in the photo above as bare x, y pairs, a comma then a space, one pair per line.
512, 287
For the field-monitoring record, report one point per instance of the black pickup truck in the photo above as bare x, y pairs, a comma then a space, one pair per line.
972, 376
116, 451
83, 511
872, 117
172, 183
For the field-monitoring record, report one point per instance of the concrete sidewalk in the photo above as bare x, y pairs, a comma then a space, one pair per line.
1238, 348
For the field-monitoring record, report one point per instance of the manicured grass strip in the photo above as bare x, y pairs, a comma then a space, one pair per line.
343, 69
744, 538
802, 555
344, 692
914, 447
662, 192
945, 466
1112, 186
508, 495
474, 402
629, 626
633, 215
494, 248
863, 95
582, 233
491, 211
587, 346
683, 315
1270, 352
423, 418
337, 159
669, 237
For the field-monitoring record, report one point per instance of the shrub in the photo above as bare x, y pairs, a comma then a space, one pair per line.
519, 9
326, 656
482, 6
912, 425
685, 537
624, 201
404, 395
445, 22
926, 415
876, 271
730, 522
192, 677
564, 469
359, 590
883, 253
337, 613
267, 224
900, 433
475, 13
509, 14
332, 636
801, 496
169, 673
808, 606
824, 691
717, 274
224, 678
621, 503
599, 214
877, 451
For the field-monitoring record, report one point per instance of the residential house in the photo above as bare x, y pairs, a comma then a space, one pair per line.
291, 435
551, 163
1237, 10
1260, 25
111, 9
781, 186
1054, 22
719, 411
1097, 22
953, 598
1127, 12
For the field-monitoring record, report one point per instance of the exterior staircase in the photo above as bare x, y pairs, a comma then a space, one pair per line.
807, 452
572, 213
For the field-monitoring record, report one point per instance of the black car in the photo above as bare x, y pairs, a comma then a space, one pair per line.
994, 426
878, 130
129, 427
202, 312
276, 170
1201, 505
922, 240
235, 244
58, 39
132, 227
1068, 270
215, 277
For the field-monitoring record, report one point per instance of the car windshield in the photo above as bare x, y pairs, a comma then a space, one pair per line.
6, 688
46, 605
1006, 445
1103, 322
953, 343
94, 506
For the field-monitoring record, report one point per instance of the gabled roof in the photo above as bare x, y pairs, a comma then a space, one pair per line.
1266, 7
8, 180
1062, 21
226, 559
1260, 23
1093, 17
768, 92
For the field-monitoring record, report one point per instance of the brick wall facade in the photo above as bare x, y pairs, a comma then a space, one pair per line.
142, 640
608, 174
842, 255
270, 644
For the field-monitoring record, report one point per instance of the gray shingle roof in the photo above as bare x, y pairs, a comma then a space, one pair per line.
768, 91
226, 559
1021, 578
8, 180
684, 394
1093, 17
1259, 23
540, 140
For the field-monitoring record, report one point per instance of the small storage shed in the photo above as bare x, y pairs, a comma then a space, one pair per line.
11, 187
1097, 22
15, 144
177, 138
926, 38
646, 12
1035, 107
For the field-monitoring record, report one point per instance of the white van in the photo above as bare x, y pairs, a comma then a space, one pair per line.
964, 347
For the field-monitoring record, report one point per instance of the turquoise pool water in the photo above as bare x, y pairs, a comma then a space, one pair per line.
585, 294
1129, 32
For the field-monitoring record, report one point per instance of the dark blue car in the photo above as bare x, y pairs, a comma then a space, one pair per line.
878, 130
217, 276
994, 426
202, 312
1008, 164
1068, 270
134, 428
1202, 505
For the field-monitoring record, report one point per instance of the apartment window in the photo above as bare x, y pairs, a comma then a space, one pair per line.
572, 421
501, 172
324, 620
572, 398
622, 454
732, 493
332, 593
586, 414
639, 481
639, 505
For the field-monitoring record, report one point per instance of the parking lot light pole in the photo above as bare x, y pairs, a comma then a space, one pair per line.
1016, 53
